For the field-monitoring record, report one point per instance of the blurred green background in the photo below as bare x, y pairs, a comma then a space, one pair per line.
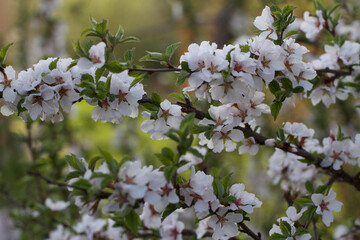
38, 29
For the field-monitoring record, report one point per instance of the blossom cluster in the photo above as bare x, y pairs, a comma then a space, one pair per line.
52, 86
146, 191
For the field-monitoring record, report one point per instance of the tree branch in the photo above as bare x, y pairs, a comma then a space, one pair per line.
339, 175
248, 231
154, 70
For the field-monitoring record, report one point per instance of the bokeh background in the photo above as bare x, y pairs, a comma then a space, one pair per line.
41, 28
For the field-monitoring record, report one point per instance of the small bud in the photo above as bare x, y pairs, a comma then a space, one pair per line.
270, 142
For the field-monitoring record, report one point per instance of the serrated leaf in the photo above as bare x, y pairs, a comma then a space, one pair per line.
275, 109
153, 56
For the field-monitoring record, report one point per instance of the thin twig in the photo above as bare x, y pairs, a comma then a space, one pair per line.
248, 231
154, 70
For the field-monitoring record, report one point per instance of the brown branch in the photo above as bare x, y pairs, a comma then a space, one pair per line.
154, 70
36, 173
337, 73
248, 231
339, 175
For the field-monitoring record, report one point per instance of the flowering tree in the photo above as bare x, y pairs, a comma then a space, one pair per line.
215, 112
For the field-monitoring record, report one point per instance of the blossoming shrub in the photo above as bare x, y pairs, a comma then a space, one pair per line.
126, 199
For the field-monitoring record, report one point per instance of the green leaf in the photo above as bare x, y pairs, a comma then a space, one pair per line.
169, 52
153, 56
181, 77
304, 201
53, 64
3, 53
124, 160
168, 153
300, 231
106, 181
309, 187
88, 45
169, 172
187, 121
132, 221
185, 67
78, 49
119, 34
274, 86
225, 181
219, 187
229, 199
114, 67
129, 39
286, 83
298, 89
73, 174
195, 152
170, 208
75, 163
277, 236
321, 189
285, 228
98, 73
82, 183
290, 33
165, 161
93, 161
177, 96
156, 99
128, 56
275, 109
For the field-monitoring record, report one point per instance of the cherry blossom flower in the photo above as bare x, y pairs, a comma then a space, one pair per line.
326, 204
312, 26
265, 23
96, 57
